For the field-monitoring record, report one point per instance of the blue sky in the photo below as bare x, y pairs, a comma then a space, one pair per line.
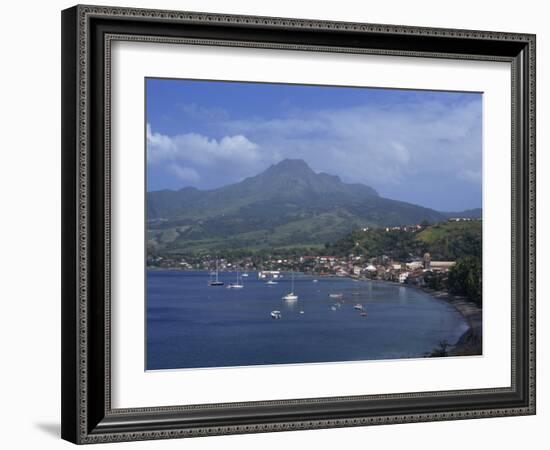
423, 147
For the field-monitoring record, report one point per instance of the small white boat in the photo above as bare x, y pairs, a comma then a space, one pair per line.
333, 308
358, 306
245, 274
276, 314
315, 281
236, 285
339, 295
270, 282
291, 296
301, 312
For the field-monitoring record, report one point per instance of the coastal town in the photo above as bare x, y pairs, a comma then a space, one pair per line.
419, 270
416, 271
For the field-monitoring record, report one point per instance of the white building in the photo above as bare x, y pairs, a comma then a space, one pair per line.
441, 265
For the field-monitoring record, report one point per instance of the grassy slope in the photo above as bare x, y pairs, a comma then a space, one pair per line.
450, 240
445, 240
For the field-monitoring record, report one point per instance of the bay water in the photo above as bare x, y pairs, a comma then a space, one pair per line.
192, 325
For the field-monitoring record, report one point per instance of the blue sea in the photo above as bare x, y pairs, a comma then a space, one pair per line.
192, 325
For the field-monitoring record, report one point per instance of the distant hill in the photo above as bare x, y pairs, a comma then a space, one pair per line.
444, 241
286, 205
475, 213
452, 240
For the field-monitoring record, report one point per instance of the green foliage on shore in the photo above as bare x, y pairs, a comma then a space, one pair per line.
465, 278
441, 350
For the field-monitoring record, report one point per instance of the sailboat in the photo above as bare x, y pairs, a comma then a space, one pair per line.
291, 296
217, 281
236, 285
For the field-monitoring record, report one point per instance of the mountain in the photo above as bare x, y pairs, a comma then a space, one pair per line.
291, 180
475, 213
286, 205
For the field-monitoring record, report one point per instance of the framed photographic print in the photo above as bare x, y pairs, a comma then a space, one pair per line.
278, 224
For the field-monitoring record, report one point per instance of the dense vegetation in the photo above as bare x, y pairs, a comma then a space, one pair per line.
444, 241
452, 240
465, 278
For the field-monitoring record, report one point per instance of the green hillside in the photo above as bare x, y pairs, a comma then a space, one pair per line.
444, 241
451, 240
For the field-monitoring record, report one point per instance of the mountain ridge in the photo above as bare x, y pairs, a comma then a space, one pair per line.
287, 204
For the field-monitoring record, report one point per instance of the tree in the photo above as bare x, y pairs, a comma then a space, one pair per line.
465, 278
442, 350
425, 224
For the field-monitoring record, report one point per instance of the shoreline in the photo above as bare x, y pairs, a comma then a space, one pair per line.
470, 342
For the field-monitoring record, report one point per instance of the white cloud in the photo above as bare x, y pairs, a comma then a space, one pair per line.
193, 157
184, 173
373, 144
199, 149
388, 147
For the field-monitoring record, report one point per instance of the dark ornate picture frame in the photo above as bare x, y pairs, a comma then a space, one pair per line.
87, 34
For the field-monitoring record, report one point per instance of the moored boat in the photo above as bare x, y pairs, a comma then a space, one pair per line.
291, 296
237, 285
216, 281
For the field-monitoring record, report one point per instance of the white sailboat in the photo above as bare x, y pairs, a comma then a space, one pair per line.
236, 285
291, 296
217, 281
